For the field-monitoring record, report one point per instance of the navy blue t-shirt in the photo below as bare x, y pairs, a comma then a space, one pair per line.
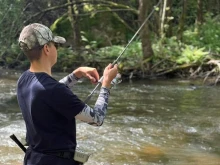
49, 109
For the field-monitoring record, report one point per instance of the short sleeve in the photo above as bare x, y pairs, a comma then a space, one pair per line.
65, 102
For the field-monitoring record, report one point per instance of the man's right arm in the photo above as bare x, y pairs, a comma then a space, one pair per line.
95, 116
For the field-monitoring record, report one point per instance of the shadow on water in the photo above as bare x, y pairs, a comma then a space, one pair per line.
149, 122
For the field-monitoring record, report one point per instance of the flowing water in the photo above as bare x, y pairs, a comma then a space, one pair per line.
149, 122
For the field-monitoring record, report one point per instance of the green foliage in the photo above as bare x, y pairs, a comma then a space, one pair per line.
104, 32
210, 35
166, 52
62, 27
103, 27
167, 48
191, 12
207, 36
131, 57
10, 21
191, 54
10, 57
194, 49
67, 60
174, 52
89, 44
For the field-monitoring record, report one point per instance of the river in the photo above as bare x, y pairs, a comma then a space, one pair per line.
149, 122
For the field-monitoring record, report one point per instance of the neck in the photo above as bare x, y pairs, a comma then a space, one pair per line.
40, 67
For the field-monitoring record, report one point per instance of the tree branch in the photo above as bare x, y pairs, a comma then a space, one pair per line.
184, 66
6, 13
74, 3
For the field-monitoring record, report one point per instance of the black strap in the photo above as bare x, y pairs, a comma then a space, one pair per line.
65, 155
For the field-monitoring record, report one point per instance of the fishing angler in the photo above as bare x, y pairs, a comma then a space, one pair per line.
49, 107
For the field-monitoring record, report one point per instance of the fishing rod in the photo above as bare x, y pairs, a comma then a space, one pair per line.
118, 76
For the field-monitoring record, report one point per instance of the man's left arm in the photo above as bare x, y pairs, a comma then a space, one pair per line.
88, 72
70, 80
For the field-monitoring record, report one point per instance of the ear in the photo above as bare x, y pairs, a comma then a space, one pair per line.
46, 49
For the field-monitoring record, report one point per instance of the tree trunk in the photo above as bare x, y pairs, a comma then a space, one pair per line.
145, 33
182, 21
169, 32
162, 32
218, 6
213, 6
72, 14
199, 17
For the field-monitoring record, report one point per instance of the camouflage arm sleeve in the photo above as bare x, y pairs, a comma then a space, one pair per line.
95, 116
70, 80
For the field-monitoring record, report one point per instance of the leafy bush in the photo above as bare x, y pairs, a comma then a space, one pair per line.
10, 57
169, 48
207, 36
131, 57
210, 35
191, 54
67, 60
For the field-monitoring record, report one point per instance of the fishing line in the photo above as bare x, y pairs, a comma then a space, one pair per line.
100, 80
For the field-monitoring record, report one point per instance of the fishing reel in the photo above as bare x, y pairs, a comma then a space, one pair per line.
116, 80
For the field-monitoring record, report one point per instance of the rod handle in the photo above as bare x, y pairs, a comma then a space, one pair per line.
15, 139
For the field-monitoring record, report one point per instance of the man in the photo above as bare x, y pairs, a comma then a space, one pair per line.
49, 107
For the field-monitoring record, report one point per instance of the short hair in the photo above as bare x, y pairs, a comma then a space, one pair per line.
34, 54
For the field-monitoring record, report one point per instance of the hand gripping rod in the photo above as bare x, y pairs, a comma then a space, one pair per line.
100, 80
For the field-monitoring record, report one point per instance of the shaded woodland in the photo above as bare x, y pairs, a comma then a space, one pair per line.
179, 39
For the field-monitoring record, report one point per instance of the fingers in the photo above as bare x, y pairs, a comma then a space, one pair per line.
92, 79
93, 75
110, 66
116, 66
96, 75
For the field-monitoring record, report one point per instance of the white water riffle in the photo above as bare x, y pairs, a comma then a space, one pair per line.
148, 123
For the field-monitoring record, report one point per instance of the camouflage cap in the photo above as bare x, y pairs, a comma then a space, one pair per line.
36, 35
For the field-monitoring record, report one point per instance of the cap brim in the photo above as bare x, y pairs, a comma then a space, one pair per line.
58, 39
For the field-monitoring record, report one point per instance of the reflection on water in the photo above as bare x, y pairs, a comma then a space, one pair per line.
148, 123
